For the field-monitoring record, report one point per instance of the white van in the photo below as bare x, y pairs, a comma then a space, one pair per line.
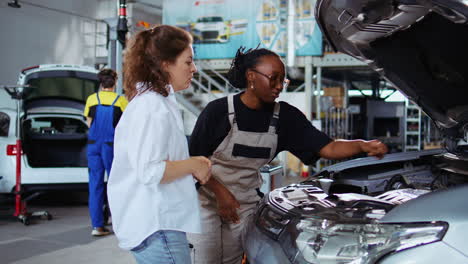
53, 129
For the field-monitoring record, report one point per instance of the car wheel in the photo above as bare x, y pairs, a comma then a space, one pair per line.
48, 216
25, 221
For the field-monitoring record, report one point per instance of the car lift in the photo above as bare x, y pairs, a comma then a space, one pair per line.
17, 93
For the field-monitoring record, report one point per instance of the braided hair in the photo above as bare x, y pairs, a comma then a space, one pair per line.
244, 60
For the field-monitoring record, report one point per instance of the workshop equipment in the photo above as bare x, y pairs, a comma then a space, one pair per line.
17, 93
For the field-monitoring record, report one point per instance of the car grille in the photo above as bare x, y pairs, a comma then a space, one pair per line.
210, 34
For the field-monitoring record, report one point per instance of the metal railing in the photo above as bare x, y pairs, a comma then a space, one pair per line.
187, 104
205, 68
198, 88
205, 83
205, 73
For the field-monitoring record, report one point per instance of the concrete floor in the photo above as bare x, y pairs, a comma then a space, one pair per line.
65, 239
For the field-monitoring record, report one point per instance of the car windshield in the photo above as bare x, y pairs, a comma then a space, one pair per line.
64, 84
210, 19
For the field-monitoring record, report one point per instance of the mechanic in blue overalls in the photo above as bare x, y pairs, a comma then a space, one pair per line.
103, 110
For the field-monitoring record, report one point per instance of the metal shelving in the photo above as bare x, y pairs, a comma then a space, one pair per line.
412, 127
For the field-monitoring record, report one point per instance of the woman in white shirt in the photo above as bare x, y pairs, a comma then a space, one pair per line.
151, 187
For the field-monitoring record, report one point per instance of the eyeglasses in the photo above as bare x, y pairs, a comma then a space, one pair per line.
270, 79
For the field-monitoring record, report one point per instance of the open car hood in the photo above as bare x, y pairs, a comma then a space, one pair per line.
420, 46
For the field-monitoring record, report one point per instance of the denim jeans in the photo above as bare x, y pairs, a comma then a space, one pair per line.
164, 247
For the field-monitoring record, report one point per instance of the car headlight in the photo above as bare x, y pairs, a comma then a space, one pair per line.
324, 241
272, 223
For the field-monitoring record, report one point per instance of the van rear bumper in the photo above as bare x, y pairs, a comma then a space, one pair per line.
28, 188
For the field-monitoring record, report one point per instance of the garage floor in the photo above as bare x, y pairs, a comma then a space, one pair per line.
65, 239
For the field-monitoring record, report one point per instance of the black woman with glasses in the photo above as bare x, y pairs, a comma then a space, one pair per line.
239, 134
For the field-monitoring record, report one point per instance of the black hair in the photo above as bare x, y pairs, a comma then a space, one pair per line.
107, 78
244, 60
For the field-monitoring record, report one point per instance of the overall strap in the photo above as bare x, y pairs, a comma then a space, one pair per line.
98, 100
231, 112
274, 119
117, 98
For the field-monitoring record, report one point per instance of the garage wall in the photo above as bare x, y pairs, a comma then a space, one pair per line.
40, 33
52, 31
36, 35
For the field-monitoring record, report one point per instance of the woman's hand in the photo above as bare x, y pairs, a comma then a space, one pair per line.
374, 148
201, 168
227, 206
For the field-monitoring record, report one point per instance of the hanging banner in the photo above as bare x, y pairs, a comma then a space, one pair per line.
220, 27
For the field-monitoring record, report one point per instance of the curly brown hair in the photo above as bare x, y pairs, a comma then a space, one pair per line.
144, 57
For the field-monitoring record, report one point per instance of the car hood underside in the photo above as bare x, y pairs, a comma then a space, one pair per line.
419, 46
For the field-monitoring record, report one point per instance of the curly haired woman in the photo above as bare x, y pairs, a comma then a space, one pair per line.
151, 188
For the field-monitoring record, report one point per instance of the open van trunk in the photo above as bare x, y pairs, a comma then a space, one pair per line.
55, 141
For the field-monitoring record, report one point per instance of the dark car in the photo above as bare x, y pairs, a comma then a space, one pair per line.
407, 207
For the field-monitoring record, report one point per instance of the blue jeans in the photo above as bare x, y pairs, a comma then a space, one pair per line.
165, 247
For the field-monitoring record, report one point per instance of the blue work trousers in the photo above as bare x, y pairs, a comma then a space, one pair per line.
100, 155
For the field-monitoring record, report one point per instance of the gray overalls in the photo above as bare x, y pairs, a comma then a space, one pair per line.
235, 164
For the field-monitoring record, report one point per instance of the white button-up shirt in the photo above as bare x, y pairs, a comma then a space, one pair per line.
150, 132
